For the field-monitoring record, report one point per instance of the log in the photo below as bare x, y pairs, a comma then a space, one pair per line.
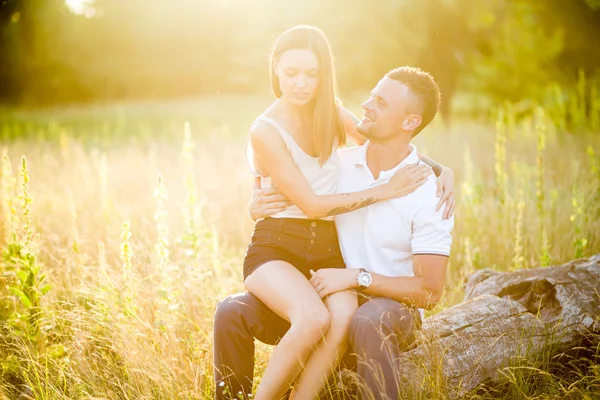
504, 316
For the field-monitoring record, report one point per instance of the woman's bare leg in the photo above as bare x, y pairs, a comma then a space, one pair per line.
341, 306
289, 294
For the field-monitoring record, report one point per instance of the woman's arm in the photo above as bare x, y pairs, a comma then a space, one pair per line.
350, 122
270, 149
445, 185
437, 167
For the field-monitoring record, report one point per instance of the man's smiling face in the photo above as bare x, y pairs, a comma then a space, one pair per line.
387, 110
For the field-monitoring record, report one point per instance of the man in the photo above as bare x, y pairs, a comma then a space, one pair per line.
396, 251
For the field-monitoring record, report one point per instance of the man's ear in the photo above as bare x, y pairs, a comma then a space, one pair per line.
411, 122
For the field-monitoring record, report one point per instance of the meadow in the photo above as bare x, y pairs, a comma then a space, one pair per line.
123, 226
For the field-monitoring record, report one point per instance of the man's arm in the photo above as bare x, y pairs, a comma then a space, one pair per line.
430, 244
266, 202
423, 290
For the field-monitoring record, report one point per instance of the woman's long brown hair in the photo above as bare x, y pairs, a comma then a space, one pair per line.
328, 128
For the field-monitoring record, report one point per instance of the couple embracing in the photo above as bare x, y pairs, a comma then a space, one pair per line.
351, 243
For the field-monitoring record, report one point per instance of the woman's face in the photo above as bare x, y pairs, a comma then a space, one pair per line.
298, 72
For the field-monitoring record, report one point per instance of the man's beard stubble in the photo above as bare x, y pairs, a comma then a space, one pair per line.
368, 133
372, 135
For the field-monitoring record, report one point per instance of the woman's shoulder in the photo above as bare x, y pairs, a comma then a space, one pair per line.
267, 117
268, 120
262, 127
262, 131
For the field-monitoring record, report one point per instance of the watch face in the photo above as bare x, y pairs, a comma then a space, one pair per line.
364, 279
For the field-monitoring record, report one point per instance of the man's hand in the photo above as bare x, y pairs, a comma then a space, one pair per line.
266, 202
331, 280
445, 190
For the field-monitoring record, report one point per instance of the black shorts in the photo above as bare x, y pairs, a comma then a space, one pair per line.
305, 243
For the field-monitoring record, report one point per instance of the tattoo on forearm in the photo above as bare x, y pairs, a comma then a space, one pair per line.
352, 207
437, 168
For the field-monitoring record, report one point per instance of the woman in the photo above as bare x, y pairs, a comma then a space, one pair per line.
292, 145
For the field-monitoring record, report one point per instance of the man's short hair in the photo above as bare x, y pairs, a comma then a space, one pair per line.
423, 86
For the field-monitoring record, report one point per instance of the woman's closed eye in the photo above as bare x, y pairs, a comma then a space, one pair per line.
293, 72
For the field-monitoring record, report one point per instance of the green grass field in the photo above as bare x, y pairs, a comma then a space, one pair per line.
136, 264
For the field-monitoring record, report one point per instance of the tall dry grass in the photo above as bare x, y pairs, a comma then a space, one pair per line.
138, 237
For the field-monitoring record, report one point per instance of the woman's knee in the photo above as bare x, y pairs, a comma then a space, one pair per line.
342, 306
312, 323
341, 318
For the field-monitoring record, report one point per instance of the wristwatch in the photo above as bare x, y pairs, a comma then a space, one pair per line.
363, 279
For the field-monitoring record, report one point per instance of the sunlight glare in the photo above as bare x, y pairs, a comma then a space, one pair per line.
81, 7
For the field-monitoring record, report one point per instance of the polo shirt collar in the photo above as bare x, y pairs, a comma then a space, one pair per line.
361, 161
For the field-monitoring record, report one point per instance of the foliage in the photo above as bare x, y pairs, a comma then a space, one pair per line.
506, 50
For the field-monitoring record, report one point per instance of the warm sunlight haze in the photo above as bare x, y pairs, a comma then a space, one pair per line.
179, 221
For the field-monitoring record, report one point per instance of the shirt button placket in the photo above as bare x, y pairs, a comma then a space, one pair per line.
311, 241
312, 233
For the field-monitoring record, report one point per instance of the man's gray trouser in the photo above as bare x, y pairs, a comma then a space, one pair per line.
380, 331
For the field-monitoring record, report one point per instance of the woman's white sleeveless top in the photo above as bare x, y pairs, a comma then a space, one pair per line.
322, 179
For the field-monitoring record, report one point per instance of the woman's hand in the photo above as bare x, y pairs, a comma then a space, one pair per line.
445, 190
327, 281
407, 180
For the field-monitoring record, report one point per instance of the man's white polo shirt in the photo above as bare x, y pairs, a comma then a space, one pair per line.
383, 237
